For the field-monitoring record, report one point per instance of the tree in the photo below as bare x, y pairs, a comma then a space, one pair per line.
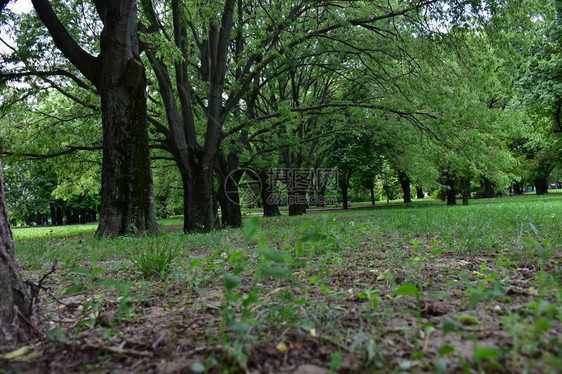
119, 77
205, 61
15, 304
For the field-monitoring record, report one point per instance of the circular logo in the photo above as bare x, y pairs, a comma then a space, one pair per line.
243, 186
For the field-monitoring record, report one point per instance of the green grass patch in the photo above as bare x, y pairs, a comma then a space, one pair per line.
419, 287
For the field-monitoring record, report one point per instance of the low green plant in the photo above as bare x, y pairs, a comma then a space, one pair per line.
87, 280
156, 257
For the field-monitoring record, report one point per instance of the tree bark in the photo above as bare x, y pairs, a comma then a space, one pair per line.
199, 213
15, 303
118, 74
297, 203
487, 188
227, 191
268, 195
517, 188
344, 195
372, 190
465, 189
451, 194
419, 193
405, 183
127, 189
541, 186
298, 183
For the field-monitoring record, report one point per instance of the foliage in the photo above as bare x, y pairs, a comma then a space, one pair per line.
157, 257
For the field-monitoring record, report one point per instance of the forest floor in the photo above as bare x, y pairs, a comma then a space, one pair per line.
412, 288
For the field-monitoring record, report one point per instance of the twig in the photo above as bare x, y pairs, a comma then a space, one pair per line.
35, 287
31, 324
117, 350
53, 269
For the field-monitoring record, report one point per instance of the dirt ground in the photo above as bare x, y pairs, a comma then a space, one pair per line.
178, 327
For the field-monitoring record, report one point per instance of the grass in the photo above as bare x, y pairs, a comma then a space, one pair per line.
398, 288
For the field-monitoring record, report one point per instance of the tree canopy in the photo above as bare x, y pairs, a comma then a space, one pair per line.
446, 92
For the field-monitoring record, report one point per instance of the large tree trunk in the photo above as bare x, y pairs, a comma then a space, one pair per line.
298, 183
118, 74
268, 195
297, 202
517, 188
405, 183
198, 186
419, 193
15, 304
451, 194
541, 186
231, 216
127, 189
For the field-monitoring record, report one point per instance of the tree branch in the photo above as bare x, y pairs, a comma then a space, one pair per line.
49, 73
85, 62
36, 156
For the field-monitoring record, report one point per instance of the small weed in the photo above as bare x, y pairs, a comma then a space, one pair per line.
156, 257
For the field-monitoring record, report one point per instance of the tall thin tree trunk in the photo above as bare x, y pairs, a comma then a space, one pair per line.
344, 195
465, 186
15, 303
487, 188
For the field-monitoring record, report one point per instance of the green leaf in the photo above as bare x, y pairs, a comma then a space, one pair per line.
336, 361
74, 289
272, 255
451, 326
194, 263
240, 327
446, 350
486, 353
79, 270
251, 228
262, 241
108, 282
276, 272
407, 289
231, 281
